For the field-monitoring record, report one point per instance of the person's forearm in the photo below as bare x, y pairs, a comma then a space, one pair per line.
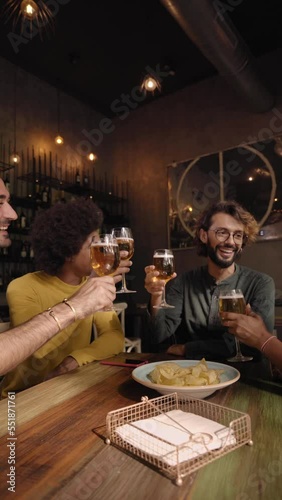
273, 351
155, 300
19, 343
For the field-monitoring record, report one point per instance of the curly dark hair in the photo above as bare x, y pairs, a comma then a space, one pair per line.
231, 208
60, 231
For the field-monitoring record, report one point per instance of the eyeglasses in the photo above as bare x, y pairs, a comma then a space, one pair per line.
222, 235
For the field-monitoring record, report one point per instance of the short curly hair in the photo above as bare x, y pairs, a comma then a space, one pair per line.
232, 208
60, 231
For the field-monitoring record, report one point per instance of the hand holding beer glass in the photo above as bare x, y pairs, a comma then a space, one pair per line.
233, 301
104, 256
164, 264
125, 243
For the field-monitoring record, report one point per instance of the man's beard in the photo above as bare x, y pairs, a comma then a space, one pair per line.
223, 264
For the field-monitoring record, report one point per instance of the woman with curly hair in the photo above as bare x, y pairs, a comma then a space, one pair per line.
193, 328
61, 238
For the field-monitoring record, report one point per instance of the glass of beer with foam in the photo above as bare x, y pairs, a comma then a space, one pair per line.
163, 260
125, 242
104, 256
233, 301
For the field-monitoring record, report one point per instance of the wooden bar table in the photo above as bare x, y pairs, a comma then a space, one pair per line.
60, 452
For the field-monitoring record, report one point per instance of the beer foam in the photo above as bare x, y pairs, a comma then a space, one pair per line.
232, 296
163, 256
98, 244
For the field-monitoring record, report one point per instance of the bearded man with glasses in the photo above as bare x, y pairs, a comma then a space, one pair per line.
193, 328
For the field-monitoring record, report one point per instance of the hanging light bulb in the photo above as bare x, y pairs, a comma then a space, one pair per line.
150, 84
59, 140
38, 14
92, 157
29, 9
15, 158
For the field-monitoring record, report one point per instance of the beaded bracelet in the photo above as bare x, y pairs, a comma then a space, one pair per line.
266, 342
52, 314
66, 301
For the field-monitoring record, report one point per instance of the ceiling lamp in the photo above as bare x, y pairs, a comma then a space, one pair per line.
59, 140
92, 157
150, 84
29, 9
278, 145
37, 13
15, 158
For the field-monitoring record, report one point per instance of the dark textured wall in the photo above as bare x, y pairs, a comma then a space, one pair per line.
198, 120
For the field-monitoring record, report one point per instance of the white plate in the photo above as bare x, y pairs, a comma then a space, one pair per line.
228, 377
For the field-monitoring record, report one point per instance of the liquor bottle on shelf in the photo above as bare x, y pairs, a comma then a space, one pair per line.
22, 220
62, 196
45, 194
23, 252
85, 180
5, 252
37, 194
77, 178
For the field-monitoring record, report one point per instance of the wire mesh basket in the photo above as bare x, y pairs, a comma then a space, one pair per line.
177, 436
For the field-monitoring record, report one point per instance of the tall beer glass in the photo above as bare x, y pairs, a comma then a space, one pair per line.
104, 255
163, 260
233, 301
125, 242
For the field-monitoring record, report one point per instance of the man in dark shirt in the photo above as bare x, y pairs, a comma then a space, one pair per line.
194, 327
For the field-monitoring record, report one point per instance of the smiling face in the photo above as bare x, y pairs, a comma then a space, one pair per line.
7, 215
223, 253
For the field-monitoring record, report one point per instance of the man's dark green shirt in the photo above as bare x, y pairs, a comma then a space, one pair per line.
195, 320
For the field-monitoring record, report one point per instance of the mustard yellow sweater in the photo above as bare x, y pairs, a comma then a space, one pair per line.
34, 293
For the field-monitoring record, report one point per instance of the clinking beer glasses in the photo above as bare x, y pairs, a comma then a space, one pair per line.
125, 242
233, 301
163, 261
104, 255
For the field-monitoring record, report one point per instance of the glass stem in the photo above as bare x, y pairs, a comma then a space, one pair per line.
163, 298
238, 347
123, 282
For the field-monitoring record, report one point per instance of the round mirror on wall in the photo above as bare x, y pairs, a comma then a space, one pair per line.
249, 174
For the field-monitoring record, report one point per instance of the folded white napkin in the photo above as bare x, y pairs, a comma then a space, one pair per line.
165, 436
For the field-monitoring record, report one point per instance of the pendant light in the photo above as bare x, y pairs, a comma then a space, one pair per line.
15, 158
59, 140
36, 12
